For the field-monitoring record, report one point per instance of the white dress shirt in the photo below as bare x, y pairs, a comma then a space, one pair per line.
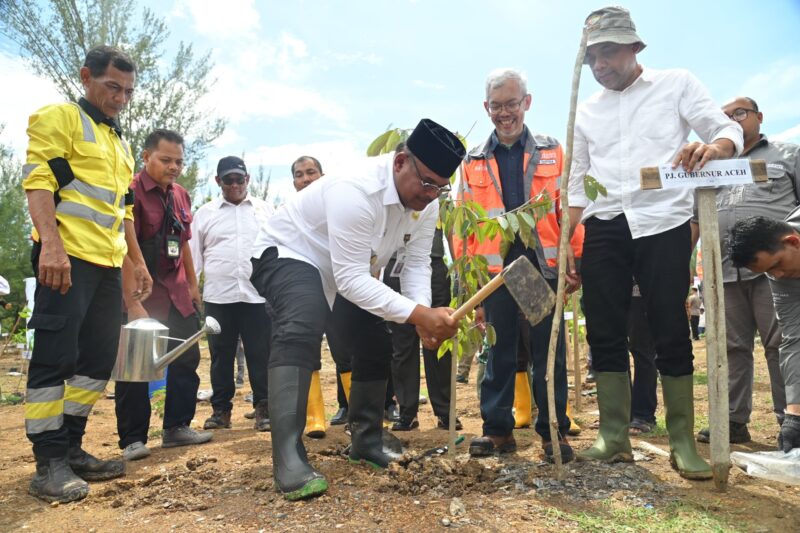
348, 227
645, 125
221, 245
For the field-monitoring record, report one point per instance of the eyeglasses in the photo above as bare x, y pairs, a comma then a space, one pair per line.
511, 107
230, 180
740, 113
428, 186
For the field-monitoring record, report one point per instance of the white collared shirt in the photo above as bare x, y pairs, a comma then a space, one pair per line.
645, 125
348, 227
221, 245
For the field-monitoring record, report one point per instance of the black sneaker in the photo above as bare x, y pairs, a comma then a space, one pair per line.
739, 434
340, 417
443, 422
405, 425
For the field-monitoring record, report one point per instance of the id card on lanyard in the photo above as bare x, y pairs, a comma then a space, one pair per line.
171, 224
400, 258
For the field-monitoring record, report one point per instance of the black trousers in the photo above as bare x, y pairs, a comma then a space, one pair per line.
405, 352
660, 265
75, 347
694, 321
131, 400
251, 322
644, 399
294, 291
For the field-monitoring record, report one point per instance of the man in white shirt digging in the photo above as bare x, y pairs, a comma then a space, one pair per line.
333, 236
641, 118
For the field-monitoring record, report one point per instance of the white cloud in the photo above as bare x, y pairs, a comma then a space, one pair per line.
792, 135
238, 97
230, 18
428, 85
335, 156
776, 89
22, 93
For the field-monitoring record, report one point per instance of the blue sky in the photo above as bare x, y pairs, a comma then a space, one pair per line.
325, 78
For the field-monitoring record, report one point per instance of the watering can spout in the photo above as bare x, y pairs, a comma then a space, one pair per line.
211, 327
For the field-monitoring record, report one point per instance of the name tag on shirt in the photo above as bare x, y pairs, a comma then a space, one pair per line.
173, 246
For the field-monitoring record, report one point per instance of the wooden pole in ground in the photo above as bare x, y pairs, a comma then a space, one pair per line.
716, 347
576, 353
562, 261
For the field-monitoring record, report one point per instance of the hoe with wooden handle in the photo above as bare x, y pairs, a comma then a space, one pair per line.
529, 289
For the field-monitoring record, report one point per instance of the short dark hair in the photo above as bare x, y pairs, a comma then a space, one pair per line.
756, 234
307, 158
99, 57
155, 136
752, 103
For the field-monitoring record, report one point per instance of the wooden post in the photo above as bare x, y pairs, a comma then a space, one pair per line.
454, 355
576, 354
716, 347
714, 299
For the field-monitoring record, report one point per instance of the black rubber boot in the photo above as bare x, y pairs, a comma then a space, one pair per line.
55, 481
91, 468
288, 401
365, 415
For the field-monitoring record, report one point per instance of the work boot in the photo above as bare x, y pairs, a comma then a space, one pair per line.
491, 444
679, 407
567, 454
574, 428
614, 401
522, 401
261, 415
340, 418
315, 416
219, 420
90, 468
738, 434
55, 481
365, 416
250, 415
288, 399
184, 436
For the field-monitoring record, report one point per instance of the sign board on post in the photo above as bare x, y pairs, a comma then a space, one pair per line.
713, 174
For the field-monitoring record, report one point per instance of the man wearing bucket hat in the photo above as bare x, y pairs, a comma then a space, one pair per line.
223, 231
334, 236
641, 118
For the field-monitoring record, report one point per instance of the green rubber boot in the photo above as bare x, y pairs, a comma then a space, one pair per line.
679, 407
614, 401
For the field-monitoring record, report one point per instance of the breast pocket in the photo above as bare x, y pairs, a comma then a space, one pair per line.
655, 122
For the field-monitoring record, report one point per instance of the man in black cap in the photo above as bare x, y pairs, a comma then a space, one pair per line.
334, 236
223, 231
641, 118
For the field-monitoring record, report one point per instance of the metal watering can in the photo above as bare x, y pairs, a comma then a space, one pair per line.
142, 353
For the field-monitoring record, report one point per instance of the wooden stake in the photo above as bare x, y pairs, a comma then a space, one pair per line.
562, 261
716, 348
576, 353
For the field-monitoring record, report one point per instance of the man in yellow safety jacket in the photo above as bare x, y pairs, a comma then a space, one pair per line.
77, 176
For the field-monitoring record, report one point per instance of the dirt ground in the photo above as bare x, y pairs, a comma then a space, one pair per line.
226, 485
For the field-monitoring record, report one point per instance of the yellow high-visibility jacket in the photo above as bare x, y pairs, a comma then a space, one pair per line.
89, 169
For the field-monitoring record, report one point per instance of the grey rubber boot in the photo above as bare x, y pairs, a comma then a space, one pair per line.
365, 415
614, 401
55, 481
288, 401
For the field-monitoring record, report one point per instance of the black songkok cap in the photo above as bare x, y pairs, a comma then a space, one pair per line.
437, 147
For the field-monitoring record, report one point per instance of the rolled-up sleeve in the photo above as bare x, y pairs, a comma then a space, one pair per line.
786, 296
351, 219
48, 138
705, 116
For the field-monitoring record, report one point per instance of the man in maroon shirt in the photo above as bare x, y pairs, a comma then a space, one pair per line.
162, 215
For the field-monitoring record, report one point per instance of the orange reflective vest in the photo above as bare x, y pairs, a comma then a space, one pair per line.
543, 164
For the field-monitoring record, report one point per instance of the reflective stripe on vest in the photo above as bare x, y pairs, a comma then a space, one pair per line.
86, 122
27, 169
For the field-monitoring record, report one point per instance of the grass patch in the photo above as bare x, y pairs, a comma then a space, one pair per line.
700, 378
155, 433
11, 399
675, 517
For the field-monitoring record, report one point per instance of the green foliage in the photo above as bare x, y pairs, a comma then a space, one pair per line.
387, 141
592, 187
15, 242
55, 35
157, 401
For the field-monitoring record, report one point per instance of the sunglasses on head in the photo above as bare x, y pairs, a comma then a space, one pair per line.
230, 180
